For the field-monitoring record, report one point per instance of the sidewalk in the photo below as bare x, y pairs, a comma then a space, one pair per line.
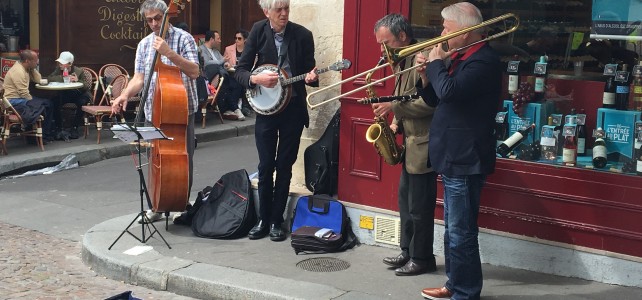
262, 269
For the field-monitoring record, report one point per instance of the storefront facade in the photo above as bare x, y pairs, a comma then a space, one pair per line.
526, 205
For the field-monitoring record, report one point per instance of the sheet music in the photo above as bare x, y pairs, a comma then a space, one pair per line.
128, 134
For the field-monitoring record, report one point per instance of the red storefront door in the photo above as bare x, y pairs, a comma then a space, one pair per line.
364, 178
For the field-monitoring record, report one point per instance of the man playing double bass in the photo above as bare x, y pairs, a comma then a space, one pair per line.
178, 49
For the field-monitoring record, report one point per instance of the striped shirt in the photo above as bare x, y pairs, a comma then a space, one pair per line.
182, 43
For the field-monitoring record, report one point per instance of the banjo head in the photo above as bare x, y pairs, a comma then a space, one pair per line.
269, 101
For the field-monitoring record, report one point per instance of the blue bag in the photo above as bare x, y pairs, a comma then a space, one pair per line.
321, 212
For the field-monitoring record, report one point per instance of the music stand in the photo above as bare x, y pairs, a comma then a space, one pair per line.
128, 134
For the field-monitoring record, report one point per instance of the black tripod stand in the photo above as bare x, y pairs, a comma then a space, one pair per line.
128, 134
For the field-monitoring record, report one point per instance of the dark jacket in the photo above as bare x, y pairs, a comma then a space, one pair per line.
260, 45
461, 136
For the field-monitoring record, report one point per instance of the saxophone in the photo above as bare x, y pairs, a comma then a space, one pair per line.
380, 134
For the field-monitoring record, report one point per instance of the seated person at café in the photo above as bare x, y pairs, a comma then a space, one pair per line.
210, 50
16, 90
233, 52
79, 97
229, 93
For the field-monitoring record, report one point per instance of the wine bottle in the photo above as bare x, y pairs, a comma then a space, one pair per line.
599, 150
581, 133
501, 126
608, 98
548, 141
540, 79
513, 75
509, 144
622, 89
636, 87
569, 151
637, 148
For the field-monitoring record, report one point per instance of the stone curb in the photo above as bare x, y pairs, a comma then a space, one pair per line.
185, 277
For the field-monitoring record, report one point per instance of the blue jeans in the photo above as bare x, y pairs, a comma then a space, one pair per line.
461, 247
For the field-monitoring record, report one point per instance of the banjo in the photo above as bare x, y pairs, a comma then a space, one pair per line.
270, 101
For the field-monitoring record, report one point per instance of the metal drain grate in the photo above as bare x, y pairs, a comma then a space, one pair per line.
323, 264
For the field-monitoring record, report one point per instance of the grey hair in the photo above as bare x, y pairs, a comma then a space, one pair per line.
396, 23
150, 5
465, 14
269, 4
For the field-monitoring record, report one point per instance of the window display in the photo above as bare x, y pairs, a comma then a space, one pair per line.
563, 82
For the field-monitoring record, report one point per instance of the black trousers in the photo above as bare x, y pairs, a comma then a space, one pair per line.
417, 197
76, 97
277, 142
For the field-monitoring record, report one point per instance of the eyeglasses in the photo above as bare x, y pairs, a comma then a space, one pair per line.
157, 18
238, 38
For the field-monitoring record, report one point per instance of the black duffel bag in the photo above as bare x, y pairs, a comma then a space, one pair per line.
227, 211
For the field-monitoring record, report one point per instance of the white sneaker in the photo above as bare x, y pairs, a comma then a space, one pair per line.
152, 216
239, 114
176, 216
230, 115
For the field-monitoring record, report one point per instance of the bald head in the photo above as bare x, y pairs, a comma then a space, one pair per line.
27, 55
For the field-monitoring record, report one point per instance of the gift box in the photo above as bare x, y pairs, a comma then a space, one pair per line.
534, 113
619, 126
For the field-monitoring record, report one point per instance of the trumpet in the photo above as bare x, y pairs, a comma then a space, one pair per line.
396, 55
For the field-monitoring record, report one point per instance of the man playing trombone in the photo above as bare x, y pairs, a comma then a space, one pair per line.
465, 86
418, 182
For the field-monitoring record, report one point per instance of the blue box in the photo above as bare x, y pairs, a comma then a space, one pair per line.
536, 113
619, 126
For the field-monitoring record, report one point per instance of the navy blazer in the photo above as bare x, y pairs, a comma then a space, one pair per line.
461, 140
260, 45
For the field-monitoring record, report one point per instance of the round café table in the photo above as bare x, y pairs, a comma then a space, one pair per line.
60, 86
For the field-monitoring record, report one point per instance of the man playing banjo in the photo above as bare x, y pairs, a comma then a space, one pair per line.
290, 47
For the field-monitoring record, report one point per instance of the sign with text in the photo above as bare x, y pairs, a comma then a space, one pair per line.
617, 20
6, 65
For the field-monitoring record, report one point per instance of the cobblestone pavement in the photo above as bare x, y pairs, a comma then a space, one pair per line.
34, 265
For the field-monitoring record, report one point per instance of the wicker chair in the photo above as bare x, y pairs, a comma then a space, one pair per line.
110, 71
14, 126
102, 109
212, 104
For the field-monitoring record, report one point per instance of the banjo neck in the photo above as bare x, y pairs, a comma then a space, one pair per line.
294, 79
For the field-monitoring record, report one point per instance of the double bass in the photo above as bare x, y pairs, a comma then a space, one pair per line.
168, 174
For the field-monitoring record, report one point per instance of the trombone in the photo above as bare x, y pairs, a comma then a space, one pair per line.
396, 55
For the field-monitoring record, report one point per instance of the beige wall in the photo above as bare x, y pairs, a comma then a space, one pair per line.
34, 24
325, 20
215, 14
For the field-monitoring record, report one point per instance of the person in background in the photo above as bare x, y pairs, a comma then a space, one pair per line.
210, 52
183, 26
177, 49
233, 52
465, 88
417, 193
277, 136
78, 97
232, 55
16, 90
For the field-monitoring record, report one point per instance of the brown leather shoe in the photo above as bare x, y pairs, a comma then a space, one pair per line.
413, 268
397, 261
436, 293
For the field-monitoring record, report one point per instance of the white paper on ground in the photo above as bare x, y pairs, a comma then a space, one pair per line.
138, 250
